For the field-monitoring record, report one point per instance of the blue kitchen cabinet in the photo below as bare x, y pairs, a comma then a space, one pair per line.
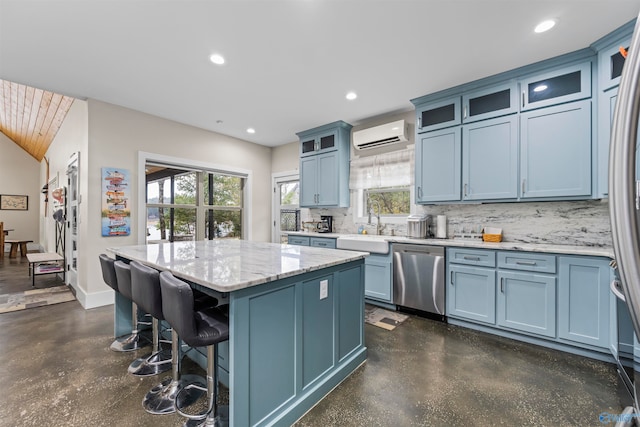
490, 102
555, 146
584, 300
324, 166
438, 114
490, 159
438, 166
378, 273
610, 60
566, 84
323, 242
471, 293
297, 240
527, 302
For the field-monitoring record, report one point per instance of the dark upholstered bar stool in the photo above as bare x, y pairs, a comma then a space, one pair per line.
161, 399
198, 328
146, 294
130, 342
134, 341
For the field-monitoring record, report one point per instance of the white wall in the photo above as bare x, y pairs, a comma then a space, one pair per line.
285, 158
117, 134
20, 175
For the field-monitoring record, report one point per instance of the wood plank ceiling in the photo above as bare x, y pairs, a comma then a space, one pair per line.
31, 117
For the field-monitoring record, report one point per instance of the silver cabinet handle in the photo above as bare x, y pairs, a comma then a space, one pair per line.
526, 263
465, 190
451, 277
419, 122
502, 285
419, 193
471, 258
522, 99
465, 112
523, 184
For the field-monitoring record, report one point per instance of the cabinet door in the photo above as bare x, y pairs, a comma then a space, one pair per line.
583, 300
490, 159
323, 242
527, 302
471, 293
438, 164
308, 146
606, 108
438, 115
555, 87
298, 240
327, 179
490, 102
377, 279
610, 63
555, 147
308, 181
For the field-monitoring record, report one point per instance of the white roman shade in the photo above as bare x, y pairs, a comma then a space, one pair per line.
394, 169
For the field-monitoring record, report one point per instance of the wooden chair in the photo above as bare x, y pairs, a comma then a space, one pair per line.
1, 240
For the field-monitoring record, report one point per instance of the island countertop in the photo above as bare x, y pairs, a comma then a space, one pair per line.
227, 265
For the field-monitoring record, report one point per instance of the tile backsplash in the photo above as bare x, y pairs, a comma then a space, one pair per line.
582, 223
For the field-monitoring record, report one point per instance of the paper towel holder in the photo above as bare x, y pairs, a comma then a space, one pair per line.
441, 227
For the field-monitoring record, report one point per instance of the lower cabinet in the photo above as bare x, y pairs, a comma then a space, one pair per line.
377, 277
527, 302
553, 298
471, 293
584, 300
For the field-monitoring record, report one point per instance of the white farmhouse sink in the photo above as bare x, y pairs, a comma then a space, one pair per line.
364, 243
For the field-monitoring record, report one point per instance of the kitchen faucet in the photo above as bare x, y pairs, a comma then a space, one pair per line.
378, 225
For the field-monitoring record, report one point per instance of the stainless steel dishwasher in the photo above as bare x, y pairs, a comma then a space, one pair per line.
418, 277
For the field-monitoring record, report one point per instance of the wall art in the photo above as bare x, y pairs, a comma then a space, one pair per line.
116, 212
14, 203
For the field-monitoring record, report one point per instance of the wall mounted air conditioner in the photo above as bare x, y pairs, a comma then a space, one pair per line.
383, 135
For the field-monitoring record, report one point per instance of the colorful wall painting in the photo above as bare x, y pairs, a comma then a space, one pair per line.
116, 213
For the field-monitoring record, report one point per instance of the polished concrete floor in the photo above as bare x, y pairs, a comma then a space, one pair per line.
57, 370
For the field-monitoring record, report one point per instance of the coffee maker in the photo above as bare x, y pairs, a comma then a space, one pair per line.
326, 224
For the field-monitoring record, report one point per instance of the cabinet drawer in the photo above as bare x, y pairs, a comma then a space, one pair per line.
477, 257
527, 261
298, 240
323, 242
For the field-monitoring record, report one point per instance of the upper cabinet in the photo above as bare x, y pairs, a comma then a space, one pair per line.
438, 115
490, 102
555, 87
324, 166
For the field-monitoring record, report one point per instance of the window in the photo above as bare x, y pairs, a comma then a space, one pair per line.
392, 201
192, 205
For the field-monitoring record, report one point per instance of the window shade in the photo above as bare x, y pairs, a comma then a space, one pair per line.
394, 169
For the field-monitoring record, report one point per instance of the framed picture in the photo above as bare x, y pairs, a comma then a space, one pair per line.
14, 203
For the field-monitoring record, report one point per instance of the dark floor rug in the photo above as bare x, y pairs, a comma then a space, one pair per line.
35, 298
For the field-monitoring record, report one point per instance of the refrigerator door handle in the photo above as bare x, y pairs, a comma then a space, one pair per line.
622, 186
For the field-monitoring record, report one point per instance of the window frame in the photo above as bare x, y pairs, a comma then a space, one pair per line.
359, 204
196, 166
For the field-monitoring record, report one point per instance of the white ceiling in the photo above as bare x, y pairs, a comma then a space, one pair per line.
289, 62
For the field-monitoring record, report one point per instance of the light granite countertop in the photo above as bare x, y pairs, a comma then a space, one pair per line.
227, 265
478, 244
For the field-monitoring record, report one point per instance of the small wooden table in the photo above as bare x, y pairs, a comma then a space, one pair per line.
14, 247
44, 263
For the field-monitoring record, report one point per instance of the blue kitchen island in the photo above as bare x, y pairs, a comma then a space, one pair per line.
296, 317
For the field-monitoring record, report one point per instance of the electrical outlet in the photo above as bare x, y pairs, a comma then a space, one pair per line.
324, 289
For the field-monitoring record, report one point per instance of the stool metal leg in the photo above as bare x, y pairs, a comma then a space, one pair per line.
130, 342
212, 417
161, 399
157, 361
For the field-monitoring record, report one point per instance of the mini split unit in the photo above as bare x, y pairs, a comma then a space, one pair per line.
379, 136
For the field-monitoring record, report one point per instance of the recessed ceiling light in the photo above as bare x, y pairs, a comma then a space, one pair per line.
545, 26
251, 130
351, 96
216, 59
540, 88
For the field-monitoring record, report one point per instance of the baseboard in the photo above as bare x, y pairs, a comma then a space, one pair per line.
94, 299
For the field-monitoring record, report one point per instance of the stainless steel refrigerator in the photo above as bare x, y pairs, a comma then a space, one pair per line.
624, 200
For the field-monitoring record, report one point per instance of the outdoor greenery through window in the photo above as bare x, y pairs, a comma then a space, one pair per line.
393, 201
192, 205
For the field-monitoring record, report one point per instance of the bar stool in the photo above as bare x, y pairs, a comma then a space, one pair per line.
129, 342
161, 399
198, 328
146, 295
